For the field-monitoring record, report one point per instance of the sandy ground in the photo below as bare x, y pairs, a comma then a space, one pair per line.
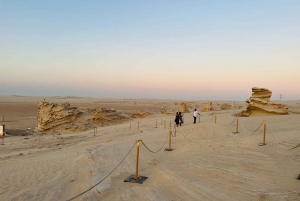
208, 161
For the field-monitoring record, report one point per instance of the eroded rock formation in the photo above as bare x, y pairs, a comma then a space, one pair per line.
184, 108
64, 118
140, 114
208, 107
225, 106
259, 104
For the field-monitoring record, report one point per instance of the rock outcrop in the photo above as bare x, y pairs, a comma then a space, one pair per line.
259, 104
208, 107
140, 114
64, 118
225, 106
184, 108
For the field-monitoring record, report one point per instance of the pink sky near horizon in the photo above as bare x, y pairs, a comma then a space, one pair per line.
195, 50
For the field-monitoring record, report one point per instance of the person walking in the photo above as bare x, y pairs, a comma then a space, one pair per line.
177, 119
180, 118
195, 115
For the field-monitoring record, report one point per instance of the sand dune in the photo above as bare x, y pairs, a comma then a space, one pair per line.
208, 161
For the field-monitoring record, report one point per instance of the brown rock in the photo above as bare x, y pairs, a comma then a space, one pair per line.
259, 104
184, 108
54, 118
208, 107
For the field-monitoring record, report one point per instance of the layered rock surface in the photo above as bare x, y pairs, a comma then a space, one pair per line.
259, 104
64, 118
208, 107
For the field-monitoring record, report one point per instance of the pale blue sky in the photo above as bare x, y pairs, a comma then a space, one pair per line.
154, 49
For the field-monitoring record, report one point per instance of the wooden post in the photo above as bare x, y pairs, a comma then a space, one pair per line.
136, 176
265, 129
170, 135
3, 139
215, 118
237, 125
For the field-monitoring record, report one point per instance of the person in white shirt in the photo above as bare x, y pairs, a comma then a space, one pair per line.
195, 115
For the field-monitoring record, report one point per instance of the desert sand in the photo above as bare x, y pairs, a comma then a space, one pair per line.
207, 162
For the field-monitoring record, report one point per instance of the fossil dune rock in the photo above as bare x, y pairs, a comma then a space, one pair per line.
259, 104
184, 108
208, 107
140, 114
55, 118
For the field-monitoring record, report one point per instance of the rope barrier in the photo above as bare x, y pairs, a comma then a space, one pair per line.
146, 126
226, 124
213, 131
157, 150
254, 130
104, 177
207, 120
280, 145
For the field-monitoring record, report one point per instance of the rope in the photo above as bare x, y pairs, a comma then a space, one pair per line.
104, 177
154, 151
226, 124
280, 145
254, 130
146, 126
208, 120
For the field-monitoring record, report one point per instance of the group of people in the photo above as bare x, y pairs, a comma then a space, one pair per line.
179, 119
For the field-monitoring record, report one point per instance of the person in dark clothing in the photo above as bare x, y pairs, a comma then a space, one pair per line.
177, 118
180, 118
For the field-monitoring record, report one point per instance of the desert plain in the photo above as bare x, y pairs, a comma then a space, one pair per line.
207, 162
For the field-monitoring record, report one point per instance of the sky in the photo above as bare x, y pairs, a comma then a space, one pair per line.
185, 50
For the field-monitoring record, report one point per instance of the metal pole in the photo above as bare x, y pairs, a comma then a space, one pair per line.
136, 176
265, 129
